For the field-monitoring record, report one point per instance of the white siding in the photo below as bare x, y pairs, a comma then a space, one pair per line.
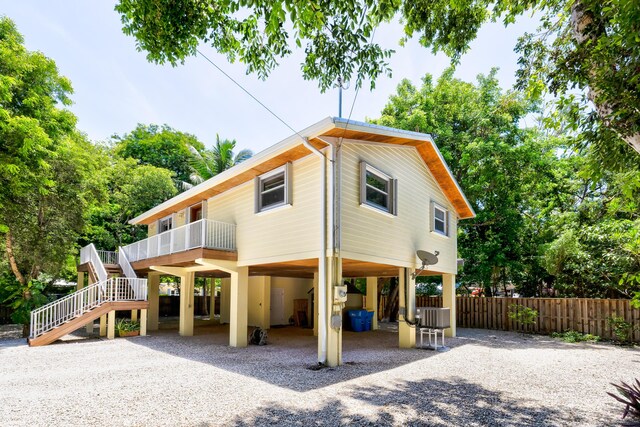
286, 233
372, 236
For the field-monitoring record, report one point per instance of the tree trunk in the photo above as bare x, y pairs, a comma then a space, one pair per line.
391, 307
12, 259
583, 23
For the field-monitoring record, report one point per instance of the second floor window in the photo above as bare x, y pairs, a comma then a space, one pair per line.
440, 220
378, 189
273, 189
166, 224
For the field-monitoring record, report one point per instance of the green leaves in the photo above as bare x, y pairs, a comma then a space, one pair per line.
208, 163
159, 146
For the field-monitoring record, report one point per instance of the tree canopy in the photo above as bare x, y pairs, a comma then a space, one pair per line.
542, 223
58, 191
581, 44
208, 163
160, 146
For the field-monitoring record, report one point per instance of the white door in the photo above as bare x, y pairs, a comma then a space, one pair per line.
277, 306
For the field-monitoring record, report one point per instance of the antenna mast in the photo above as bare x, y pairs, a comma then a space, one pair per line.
340, 85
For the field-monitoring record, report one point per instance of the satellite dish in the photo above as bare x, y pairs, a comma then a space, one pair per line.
428, 258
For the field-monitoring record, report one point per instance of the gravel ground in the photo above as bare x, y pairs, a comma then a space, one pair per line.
486, 378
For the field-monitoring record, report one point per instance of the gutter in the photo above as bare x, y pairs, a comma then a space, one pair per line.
322, 262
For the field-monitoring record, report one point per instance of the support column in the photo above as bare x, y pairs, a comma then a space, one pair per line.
239, 307
186, 304
334, 318
315, 304
143, 322
88, 326
225, 292
407, 333
153, 295
111, 325
449, 301
134, 315
212, 301
372, 300
265, 313
80, 284
103, 325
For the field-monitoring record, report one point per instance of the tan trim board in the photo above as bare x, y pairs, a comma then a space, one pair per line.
185, 258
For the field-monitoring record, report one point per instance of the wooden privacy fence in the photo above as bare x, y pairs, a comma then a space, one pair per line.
585, 315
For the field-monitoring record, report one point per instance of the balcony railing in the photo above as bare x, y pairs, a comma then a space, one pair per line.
204, 233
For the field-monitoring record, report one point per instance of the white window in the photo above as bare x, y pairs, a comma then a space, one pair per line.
165, 224
273, 189
378, 190
440, 221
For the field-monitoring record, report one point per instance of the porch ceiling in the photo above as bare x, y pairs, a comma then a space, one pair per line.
299, 268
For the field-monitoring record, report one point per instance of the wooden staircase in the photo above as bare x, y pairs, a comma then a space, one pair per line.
78, 322
108, 292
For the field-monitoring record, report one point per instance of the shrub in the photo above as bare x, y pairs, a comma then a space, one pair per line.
522, 315
575, 336
126, 325
629, 396
621, 329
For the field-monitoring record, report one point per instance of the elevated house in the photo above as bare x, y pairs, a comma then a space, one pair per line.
340, 199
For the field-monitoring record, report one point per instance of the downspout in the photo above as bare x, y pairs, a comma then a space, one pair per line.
322, 262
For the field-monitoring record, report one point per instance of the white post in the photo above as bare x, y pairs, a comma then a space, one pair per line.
239, 307
316, 319
449, 301
407, 287
372, 300
153, 291
143, 322
186, 304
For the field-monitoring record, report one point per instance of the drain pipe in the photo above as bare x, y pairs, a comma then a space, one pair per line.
322, 265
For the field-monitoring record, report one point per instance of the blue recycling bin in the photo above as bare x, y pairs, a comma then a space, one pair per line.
358, 320
369, 320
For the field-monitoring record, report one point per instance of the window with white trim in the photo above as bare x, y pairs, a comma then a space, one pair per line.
273, 189
377, 189
440, 221
165, 224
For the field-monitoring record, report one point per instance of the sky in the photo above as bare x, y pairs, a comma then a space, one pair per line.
115, 87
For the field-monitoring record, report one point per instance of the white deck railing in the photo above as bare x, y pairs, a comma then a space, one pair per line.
90, 254
124, 264
204, 233
108, 257
54, 314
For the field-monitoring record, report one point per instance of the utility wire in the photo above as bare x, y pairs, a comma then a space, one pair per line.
355, 96
248, 93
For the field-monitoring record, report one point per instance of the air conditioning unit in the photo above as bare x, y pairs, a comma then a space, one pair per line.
434, 317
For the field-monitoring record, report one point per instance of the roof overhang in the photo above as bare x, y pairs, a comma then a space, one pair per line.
292, 148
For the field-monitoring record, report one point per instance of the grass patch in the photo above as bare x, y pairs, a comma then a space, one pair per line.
575, 336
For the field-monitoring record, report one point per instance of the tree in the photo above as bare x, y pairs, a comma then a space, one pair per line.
44, 165
160, 146
131, 189
501, 167
208, 163
584, 44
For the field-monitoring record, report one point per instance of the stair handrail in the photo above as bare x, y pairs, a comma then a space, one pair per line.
125, 265
90, 254
66, 308
55, 313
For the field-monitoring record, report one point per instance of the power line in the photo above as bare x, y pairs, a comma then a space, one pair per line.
355, 96
248, 93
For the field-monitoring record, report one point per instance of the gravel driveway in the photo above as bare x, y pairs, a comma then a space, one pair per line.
486, 378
